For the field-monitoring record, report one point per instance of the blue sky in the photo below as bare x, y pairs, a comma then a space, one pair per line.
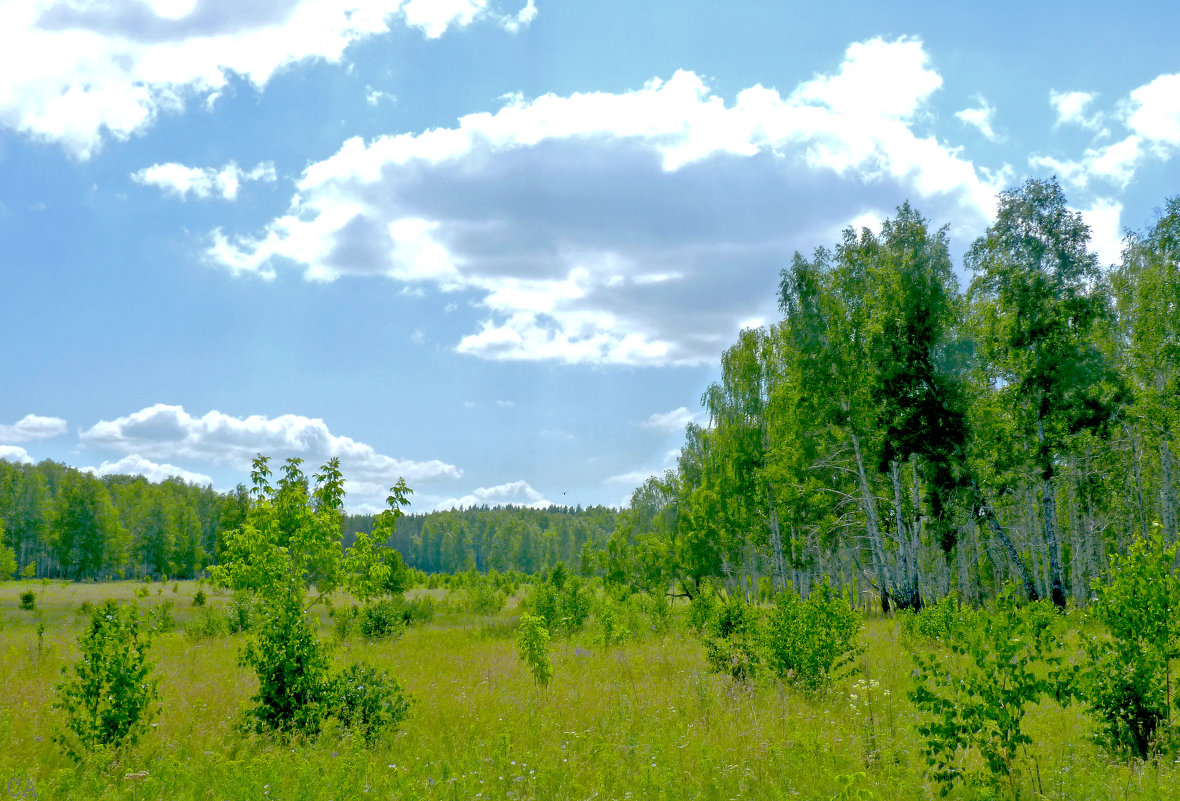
496, 247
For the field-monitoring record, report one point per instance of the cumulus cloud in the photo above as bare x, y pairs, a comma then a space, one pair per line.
980, 118
15, 454
136, 465
672, 421
1071, 110
514, 493
179, 180
32, 427
1106, 231
1151, 116
169, 432
638, 227
78, 72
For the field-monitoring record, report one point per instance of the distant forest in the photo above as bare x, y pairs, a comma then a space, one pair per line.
892, 432
60, 522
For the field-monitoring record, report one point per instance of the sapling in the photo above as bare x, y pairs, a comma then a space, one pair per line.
532, 641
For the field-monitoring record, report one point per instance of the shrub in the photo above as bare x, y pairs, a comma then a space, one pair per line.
1128, 682
240, 612
532, 641
809, 641
368, 701
419, 610
382, 619
731, 638
161, 617
28, 600
975, 698
939, 621
294, 691
207, 623
483, 597
107, 696
199, 598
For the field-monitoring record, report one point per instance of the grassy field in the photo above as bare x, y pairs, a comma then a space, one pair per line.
641, 720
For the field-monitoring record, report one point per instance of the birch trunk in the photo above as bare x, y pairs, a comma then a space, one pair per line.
869, 506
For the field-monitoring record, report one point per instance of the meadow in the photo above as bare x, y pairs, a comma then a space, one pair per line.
640, 719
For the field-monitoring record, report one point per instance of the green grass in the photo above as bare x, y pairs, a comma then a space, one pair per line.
643, 720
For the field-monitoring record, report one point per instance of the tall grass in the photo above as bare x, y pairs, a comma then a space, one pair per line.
639, 720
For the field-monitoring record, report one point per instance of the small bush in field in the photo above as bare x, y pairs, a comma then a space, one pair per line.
809, 641
28, 600
368, 701
942, 621
107, 695
239, 612
294, 692
199, 598
161, 617
731, 638
1128, 684
207, 623
382, 619
975, 698
532, 641
419, 610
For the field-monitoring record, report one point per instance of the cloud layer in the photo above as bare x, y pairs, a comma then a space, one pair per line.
627, 228
136, 465
32, 427
515, 493
77, 73
169, 432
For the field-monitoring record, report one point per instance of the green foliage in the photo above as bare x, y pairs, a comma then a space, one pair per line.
207, 622
239, 613
563, 601
532, 643
199, 598
974, 699
7, 560
368, 701
1128, 681
480, 594
809, 642
732, 639
107, 695
293, 670
28, 600
382, 619
941, 621
161, 618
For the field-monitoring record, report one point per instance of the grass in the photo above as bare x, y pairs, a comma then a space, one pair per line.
643, 720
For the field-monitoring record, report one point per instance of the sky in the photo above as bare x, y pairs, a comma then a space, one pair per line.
497, 247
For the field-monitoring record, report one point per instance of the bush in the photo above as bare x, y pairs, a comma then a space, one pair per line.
941, 621
1128, 682
294, 691
199, 598
240, 612
368, 701
161, 617
483, 597
382, 619
107, 697
809, 641
28, 600
974, 700
731, 638
532, 641
207, 623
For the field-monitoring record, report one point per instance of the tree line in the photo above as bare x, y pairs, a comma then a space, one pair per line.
908, 439
60, 522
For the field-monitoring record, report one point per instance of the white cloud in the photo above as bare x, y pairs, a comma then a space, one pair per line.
628, 228
76, 73
136, 465
634, 478
515, 493
672, 421
169, 432
31, 427
1154, 111
376, 96
1071, 110
1106, 231
1151, 114
15, 454
980, 118
179, 180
